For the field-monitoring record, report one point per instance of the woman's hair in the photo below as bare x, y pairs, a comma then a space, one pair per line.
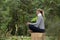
41, 11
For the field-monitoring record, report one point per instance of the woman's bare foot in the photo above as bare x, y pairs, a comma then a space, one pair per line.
30, 31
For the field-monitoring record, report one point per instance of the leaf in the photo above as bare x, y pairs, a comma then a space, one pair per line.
34, 19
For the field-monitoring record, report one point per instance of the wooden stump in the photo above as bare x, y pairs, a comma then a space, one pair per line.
37, 36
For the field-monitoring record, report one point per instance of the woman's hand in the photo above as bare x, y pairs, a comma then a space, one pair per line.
28, 23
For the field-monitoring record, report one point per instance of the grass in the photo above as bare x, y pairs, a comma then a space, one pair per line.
18, 38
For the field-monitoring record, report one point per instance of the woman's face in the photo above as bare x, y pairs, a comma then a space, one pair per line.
37, 12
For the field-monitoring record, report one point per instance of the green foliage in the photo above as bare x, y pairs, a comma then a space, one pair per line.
34, 19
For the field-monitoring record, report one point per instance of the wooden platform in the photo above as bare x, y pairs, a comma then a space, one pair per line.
37, 36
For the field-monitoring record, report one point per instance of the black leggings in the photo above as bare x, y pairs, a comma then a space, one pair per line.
36, 29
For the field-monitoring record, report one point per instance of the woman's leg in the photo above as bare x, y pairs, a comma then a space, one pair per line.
35, 29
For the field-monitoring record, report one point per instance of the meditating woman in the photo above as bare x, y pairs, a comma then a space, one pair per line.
38, 26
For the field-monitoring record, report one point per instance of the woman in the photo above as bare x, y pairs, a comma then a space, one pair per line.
38, 26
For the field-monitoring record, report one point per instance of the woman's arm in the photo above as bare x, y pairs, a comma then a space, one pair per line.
37, 22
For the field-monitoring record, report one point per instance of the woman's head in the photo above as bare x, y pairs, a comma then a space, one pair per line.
40, 11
